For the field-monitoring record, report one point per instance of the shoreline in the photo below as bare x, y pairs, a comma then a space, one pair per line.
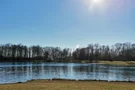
57, 79
72, 80
121, 63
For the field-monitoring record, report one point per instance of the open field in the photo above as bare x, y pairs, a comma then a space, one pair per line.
118, 62
69, 85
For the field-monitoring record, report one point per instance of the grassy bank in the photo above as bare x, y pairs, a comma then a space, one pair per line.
87, 61
117, 62
69, 85
106, 62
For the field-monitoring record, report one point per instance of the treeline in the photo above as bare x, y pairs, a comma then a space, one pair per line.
11, 52
93, 52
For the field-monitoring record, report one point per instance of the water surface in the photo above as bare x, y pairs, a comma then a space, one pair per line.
22, 72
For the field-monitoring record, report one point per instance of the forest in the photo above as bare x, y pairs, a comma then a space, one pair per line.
93, 52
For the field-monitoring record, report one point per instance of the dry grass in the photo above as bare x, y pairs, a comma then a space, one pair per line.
118, 62
69, 85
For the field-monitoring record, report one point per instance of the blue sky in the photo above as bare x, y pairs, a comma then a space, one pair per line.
66, 23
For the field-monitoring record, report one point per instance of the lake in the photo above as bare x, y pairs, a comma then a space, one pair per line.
22, 72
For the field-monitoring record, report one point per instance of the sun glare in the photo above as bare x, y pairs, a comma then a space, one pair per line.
96, 3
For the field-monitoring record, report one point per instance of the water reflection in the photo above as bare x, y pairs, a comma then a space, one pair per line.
21, 72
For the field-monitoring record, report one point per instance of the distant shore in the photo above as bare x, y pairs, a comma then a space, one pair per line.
123, 63
68, 85
128, 63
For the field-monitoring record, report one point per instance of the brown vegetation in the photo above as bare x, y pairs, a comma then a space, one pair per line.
69, 85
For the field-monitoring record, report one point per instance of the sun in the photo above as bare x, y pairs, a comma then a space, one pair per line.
96, 3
